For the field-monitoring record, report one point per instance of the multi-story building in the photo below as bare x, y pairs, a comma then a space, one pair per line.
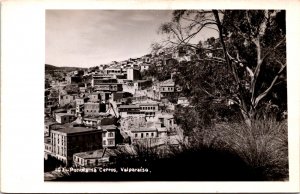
73, 79
63, 118
91, 108
98, 80
93, 158
94, 97
142, 84
65, 142
133, 74
114, 71
109, 87
183, 101
167, 121
110, 134
149, 109
130, 110
81, 100
101, 119
145, 66
50, 125
152, 134
47, 147
146, 109
66, 99
147, 134
79, 109
165, 89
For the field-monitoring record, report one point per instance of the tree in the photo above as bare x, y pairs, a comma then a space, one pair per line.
249, 54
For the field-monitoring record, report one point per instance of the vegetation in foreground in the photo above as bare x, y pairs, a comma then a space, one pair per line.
227, 152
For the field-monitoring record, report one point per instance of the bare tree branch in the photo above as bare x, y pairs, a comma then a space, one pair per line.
262, 95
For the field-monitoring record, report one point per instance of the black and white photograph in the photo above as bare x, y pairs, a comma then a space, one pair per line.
162, 96
165, 95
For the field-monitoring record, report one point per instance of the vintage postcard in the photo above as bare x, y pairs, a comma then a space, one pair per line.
163, 95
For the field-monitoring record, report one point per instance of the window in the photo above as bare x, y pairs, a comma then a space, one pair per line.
136, 135
142, 135
110, 134
104, 142
147, 134
152, 134
110, 142
87, 162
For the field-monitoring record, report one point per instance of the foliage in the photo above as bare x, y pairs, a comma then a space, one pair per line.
245, 64
51, 163
128, 101
226, 152
263, 146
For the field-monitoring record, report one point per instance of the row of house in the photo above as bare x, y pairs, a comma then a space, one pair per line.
83, 120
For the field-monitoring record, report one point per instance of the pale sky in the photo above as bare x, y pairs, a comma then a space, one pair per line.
86, 38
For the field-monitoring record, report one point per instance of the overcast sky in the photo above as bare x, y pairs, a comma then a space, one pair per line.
92, 37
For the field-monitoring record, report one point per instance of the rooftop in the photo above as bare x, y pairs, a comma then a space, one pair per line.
182, 98
167, 82
64, 114
71, 130
142, 81
129, 106
148, 126
108, 127
95, 154
144, 129
165, 115
60, 110
148, 104
98, 116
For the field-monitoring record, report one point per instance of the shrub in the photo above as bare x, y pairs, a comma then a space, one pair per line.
263, 146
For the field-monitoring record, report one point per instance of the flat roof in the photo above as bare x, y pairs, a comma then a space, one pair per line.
60, 109
129, 106
108, 127
144, 129
165, 116
182, 98
108, 83
149, 104
169, 81
64, 114
71, 130
141, 81
95, 154
98, 116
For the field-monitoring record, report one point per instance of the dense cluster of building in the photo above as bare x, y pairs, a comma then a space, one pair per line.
93, 111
